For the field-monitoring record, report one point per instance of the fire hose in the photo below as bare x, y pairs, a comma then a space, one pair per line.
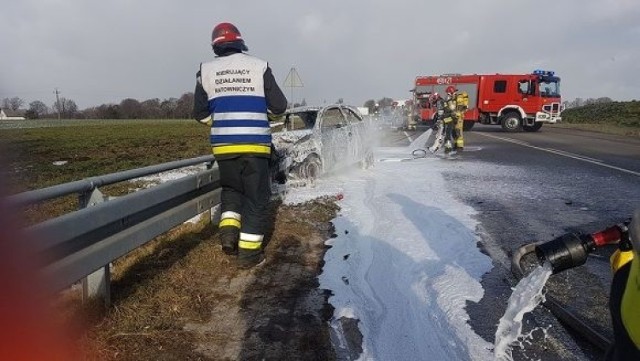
568, 251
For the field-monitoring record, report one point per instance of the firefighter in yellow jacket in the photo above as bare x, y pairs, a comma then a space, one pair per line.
456, 104
233, 93
624, 301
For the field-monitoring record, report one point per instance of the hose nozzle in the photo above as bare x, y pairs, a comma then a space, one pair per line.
571, 249
567, 251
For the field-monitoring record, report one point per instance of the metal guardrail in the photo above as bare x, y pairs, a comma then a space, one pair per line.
79, 243
89, 184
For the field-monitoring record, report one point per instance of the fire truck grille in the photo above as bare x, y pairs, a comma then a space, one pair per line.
551, 108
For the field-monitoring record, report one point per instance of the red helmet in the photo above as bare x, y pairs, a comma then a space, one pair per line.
225, 34
451, 89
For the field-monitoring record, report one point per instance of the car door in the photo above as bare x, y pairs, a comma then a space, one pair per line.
334, 135
359, 142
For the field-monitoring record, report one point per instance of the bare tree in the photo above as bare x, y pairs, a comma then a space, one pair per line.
15, 103
108, 111
184, 106
603, 100
168, 107
130, 109
370, 104
37, 109
68, 108
385, 102
151, 109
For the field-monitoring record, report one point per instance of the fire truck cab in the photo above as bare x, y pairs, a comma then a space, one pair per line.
514, 101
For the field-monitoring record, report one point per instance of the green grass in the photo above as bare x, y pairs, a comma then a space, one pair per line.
601, 128
619, 118
624, 114
93, 148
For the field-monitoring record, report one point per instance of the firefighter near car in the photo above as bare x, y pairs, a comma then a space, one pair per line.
514, 101
233, 95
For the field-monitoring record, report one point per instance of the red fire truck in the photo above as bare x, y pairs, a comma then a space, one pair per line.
514, 101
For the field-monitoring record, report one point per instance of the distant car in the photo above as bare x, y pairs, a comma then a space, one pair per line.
317, 140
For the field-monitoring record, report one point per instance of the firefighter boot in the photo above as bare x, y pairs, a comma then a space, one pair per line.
250, 258
447, 147
229, 239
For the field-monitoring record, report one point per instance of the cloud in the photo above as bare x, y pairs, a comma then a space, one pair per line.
98, 52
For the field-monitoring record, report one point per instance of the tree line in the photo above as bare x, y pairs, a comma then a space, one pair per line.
129, 108
170, 108
619, 113
579, 102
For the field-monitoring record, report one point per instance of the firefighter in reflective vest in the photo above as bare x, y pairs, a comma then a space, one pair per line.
624, 300
233, 94
457, 103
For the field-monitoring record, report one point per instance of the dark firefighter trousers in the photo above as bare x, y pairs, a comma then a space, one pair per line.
244, 201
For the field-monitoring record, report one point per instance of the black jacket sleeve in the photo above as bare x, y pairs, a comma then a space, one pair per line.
200, 102
276, 101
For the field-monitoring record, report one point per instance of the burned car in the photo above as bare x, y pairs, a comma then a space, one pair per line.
317, 140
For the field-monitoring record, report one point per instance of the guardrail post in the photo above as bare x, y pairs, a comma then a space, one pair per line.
97, 284
216, 211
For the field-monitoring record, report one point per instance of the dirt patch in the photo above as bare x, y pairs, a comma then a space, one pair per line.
181, 298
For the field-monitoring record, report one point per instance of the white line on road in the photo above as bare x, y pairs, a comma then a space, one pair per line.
562, 153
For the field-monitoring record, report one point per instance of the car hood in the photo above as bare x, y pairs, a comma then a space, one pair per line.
295, 145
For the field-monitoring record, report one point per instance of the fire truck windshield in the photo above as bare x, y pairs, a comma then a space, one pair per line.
549, 88
422, 89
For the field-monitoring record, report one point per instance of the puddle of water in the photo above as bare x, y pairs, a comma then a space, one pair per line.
526, 296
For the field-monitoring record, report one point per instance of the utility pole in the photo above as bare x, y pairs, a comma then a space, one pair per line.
57, 93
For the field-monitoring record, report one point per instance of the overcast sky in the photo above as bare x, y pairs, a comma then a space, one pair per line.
104, 51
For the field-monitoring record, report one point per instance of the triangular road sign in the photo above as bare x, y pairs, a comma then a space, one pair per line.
293, 79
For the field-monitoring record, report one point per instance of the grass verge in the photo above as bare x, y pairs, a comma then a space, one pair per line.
180, 298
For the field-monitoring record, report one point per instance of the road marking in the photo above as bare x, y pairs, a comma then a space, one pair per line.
562, 153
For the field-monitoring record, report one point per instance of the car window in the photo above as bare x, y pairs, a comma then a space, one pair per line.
302, 120
294, 122
351, 116
332, 118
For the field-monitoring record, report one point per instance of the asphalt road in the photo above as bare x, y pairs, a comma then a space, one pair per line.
545, 184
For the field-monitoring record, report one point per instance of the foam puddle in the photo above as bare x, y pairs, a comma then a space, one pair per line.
525, 297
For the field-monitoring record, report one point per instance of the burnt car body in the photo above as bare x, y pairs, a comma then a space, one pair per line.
317, 140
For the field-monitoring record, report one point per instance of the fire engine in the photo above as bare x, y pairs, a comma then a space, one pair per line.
514, 101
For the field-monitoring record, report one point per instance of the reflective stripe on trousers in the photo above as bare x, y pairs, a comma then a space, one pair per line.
230, 219
250, 241
246, 190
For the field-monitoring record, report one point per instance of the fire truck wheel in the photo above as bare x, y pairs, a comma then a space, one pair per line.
467, 126
511, 122
532, 128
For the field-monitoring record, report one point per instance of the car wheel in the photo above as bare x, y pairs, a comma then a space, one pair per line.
532, 128
311, 168
511, 122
